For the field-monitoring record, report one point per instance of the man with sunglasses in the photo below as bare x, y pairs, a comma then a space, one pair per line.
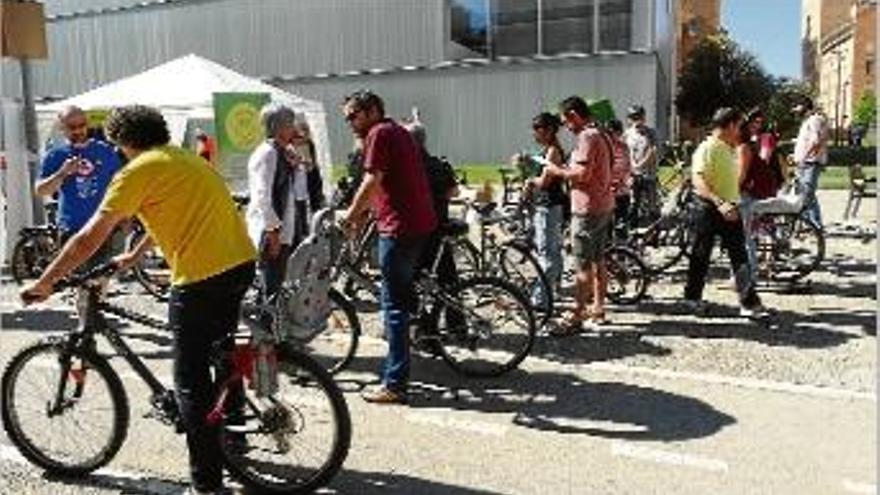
395, 187
78, 171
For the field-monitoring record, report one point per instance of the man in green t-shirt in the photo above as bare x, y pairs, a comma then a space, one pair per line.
714, 176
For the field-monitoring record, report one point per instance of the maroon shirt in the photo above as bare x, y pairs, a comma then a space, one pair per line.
402, 205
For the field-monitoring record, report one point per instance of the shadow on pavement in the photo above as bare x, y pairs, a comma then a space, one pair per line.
39, 320
560, 402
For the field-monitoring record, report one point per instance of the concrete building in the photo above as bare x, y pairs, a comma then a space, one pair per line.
839, 52
478, 70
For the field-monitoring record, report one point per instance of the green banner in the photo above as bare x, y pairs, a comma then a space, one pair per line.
237, 120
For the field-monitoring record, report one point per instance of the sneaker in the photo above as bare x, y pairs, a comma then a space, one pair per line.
756, 312
384, 395
696, 308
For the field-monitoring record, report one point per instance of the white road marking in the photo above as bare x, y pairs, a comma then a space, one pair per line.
144, 482
747, 383
620, 449
855, 487
444, 419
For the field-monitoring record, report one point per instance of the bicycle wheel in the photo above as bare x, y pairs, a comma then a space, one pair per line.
627, 275
31, 255
90, 423
335, 347
796, 247
152, 270
466, 256
494, 328
664, 243
519, 266
296, 440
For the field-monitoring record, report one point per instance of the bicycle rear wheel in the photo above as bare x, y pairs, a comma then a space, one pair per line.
796, 247
627, 276
76, 435
493, 330
31, 255
520, 267
296, 439
335, 347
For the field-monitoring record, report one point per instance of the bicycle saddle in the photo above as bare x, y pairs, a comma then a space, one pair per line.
454, 228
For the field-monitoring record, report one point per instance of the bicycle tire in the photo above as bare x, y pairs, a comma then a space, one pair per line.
519, 265
24, 439
295, 367
627, 276
151, 271
339, 335
466, 256
791, 264
30, 256
458, 346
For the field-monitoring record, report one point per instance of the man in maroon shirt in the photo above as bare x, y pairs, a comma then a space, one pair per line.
395, 187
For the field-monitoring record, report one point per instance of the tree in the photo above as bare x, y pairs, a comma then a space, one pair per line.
786, 94
865, 113
720, 74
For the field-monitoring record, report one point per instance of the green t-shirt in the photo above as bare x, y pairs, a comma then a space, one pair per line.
714, 160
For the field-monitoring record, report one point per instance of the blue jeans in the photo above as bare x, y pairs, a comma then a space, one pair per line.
746, 212
398, 260
807, 183
548, 241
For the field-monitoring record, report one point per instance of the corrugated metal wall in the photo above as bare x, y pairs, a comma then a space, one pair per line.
484, 114
249, 36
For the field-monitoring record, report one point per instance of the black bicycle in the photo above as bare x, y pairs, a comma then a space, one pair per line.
481, 326
36, 247
67, 411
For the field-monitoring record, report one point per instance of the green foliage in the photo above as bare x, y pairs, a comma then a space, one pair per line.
865, 113
786, 94
720, 74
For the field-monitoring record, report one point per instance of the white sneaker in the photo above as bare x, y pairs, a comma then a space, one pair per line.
756, 312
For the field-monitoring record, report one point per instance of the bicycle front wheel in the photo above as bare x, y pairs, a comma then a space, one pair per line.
519, 266
796, 247
66, 413
335, 347
295, 440
487, 327
627, 276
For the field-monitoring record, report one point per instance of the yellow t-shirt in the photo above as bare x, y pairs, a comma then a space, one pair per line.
714, 159
187, 210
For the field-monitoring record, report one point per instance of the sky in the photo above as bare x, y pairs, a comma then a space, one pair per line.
769, 29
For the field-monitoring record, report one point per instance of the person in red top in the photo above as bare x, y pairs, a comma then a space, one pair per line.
395, 187
592, 206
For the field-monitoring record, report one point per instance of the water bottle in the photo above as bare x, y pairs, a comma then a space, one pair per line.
265, 370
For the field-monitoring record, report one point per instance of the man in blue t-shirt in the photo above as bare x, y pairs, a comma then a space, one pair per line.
79, 172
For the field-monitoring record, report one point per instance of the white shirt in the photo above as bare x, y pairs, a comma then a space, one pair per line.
260, 215
640, 141
813, 130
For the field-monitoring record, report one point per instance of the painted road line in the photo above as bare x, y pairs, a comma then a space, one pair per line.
142, 482
621, 449
855, 487
747, 383
445, 420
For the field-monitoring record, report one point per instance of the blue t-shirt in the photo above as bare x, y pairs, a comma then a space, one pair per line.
82, 192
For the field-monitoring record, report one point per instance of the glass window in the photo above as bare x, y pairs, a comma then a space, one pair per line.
469, 21
567, 26
615, 24
515, 27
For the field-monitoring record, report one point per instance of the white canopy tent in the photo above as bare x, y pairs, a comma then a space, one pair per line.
182, 89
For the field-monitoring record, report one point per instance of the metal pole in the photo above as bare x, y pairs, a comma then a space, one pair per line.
32, 140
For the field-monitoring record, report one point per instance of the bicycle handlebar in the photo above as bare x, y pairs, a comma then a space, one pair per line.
78, 280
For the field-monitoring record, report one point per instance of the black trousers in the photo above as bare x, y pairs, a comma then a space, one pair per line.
709, 223
202, 314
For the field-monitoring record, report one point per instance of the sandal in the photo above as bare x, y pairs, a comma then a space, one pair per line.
571, 324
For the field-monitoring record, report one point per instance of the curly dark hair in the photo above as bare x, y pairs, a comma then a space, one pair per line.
137, 126
547, 120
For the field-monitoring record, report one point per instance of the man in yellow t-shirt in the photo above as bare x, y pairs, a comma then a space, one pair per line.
714, 176
188, 210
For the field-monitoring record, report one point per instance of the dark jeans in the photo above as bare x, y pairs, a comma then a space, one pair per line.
644, 191
272, 271
398, 261
621, 216
200, 315
710, 223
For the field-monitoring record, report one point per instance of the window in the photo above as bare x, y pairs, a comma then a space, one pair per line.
615, 24
469, 22
515, 27
567, 26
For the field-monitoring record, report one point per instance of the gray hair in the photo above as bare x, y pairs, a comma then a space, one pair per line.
417, 131
69, 111
274, 116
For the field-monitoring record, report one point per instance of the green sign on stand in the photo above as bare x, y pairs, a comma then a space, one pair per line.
237, 120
